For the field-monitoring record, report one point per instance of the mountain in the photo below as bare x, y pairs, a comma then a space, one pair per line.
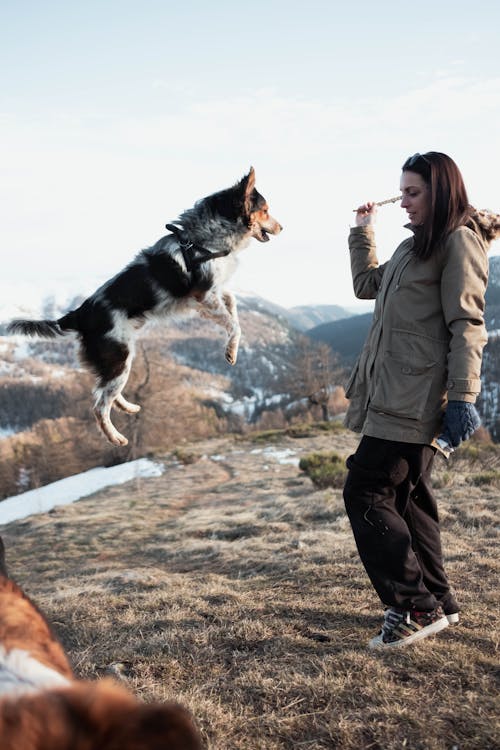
305, 317
492, 313
300, 317
36, 375
270, 342
270, 335
488, 402
345, 336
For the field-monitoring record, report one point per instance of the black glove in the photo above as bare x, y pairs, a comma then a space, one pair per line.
459, 422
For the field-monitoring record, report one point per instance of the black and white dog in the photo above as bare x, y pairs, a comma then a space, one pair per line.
184, 269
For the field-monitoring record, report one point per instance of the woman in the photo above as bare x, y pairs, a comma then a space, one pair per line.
416, 380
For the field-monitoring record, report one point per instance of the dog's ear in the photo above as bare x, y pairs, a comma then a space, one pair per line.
247, 186
250, 180
234, 203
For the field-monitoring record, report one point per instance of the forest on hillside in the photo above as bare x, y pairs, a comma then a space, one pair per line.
46, 401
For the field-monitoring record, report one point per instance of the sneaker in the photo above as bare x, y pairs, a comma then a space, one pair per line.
400, 628
450, 608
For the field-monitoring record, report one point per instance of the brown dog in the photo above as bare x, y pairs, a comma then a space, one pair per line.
44, 707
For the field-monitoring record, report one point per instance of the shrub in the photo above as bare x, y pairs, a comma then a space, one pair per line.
265, 436
334, 425
185, 456
324, 469
308, 429
301, 430
480, 454
298, 430
486, 477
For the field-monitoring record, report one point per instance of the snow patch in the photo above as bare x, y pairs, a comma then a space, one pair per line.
284, 457
66, 491
7, 432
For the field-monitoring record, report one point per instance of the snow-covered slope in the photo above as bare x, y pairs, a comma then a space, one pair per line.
66, 491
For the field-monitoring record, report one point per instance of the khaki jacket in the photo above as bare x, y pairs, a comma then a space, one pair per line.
427, 335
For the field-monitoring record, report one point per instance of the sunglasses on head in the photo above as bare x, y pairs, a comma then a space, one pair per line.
413, 159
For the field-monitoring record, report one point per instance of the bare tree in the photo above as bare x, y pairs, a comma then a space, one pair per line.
312, 375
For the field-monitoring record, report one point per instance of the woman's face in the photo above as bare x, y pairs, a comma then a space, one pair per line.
416, 197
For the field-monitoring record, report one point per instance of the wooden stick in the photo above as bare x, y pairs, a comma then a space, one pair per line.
383, 203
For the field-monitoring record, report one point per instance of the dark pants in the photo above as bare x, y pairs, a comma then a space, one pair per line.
394, 518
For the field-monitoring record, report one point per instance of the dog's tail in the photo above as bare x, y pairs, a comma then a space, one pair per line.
45, 329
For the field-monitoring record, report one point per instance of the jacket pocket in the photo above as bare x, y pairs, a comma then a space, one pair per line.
403, 389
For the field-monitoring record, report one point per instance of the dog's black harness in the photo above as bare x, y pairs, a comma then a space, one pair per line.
194, 255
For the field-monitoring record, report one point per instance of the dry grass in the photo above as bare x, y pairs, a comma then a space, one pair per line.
233, 585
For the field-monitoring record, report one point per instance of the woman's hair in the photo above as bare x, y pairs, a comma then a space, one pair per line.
449, 204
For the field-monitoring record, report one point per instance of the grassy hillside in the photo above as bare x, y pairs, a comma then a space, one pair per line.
233, 585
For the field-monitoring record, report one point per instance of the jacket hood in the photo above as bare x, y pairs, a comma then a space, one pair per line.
485, 223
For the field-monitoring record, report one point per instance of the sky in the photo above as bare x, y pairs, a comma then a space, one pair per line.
117, 116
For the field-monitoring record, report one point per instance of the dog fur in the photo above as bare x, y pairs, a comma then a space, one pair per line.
44, 707
160, 282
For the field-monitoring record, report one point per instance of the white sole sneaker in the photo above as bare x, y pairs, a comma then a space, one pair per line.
431, 629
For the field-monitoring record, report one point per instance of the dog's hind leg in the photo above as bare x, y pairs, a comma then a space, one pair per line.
127, 406
222, 310
111, 360
106, 395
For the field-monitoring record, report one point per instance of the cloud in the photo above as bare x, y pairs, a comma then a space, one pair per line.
85, 190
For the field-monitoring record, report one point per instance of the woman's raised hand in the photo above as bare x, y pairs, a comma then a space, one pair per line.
366, 214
